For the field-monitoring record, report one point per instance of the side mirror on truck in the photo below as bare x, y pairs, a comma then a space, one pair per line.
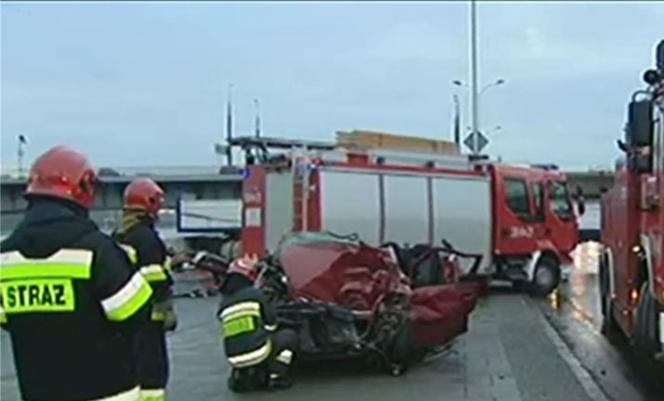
639, 124
639, 135
580, 201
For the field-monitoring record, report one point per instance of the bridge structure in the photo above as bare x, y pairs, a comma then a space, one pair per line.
209, 183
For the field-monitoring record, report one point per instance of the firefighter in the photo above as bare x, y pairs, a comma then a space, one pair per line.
142, 201
251, 339
70, 299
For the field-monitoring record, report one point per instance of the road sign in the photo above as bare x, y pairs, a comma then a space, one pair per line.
220, 149
482, 141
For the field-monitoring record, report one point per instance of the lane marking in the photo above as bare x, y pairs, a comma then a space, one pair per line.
589, 384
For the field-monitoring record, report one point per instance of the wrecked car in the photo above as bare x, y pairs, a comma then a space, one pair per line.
389, 305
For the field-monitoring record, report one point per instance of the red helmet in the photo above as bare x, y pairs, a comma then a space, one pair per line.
144, 193
64, 173
245, 266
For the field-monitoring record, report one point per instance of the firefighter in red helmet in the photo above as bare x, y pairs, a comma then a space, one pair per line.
142, 201
71, 301
260, 354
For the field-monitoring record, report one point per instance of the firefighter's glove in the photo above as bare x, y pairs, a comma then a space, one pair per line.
165, 313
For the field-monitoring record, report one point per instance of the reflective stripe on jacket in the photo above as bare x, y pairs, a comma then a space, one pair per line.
243, 327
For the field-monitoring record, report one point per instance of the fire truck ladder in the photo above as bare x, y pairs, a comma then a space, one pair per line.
299, 152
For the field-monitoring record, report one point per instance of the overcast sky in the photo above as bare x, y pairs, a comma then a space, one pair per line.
145, 84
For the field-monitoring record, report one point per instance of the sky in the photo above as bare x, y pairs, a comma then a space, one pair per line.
145, 84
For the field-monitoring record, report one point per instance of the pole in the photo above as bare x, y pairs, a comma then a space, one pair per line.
20, 159
229, 126
473, 66
457, 122
257, 121
20, 152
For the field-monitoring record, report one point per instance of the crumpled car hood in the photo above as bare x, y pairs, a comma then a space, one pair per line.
356, 276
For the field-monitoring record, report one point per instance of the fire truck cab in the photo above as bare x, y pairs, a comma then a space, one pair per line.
632, 224
521, 220
534, 224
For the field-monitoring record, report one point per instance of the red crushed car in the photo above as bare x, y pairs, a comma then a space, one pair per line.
390, 305
347, 299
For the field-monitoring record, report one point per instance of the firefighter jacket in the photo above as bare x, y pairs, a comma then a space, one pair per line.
247, 320
72, 304
148, 254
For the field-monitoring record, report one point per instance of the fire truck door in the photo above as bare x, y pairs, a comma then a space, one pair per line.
560, 218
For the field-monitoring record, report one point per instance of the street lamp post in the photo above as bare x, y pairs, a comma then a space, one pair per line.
475, 127
229, 126
20, 153
473, 67
457, 122
257, 120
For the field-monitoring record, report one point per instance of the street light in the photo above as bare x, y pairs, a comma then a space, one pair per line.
462, 84
491, 85
495, 129
498, 82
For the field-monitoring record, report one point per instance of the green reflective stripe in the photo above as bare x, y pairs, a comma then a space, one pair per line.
152, 277
153, 394
131, 252
44, 269
240, 307
157, 316
38, 295
131, 303
240, 314
157, 398
153, 273
238, 326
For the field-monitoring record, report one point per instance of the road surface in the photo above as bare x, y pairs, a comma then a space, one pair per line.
517, 349
574, 311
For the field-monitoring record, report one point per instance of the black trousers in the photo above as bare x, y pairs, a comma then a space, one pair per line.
152, 357
284, 349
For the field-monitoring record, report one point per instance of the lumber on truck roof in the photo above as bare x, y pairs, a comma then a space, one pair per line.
364, 139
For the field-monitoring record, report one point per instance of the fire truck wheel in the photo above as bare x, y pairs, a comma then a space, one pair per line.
645, 339
609, 325
547, 276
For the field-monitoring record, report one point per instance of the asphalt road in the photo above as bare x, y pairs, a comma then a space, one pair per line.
508, 354
574, 312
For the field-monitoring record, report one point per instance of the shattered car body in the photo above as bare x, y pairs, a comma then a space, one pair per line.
345, 298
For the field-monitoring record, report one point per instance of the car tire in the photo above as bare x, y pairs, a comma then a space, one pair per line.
546, 278
520, 286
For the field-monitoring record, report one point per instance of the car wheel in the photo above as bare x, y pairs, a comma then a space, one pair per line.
547, 276
519, 286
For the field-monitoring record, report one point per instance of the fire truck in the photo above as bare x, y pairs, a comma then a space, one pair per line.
632, 223
520, 219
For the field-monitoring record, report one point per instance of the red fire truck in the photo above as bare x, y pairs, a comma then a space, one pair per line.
520, 219
632, 225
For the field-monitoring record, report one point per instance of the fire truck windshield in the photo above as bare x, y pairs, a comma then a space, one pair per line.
559, 199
